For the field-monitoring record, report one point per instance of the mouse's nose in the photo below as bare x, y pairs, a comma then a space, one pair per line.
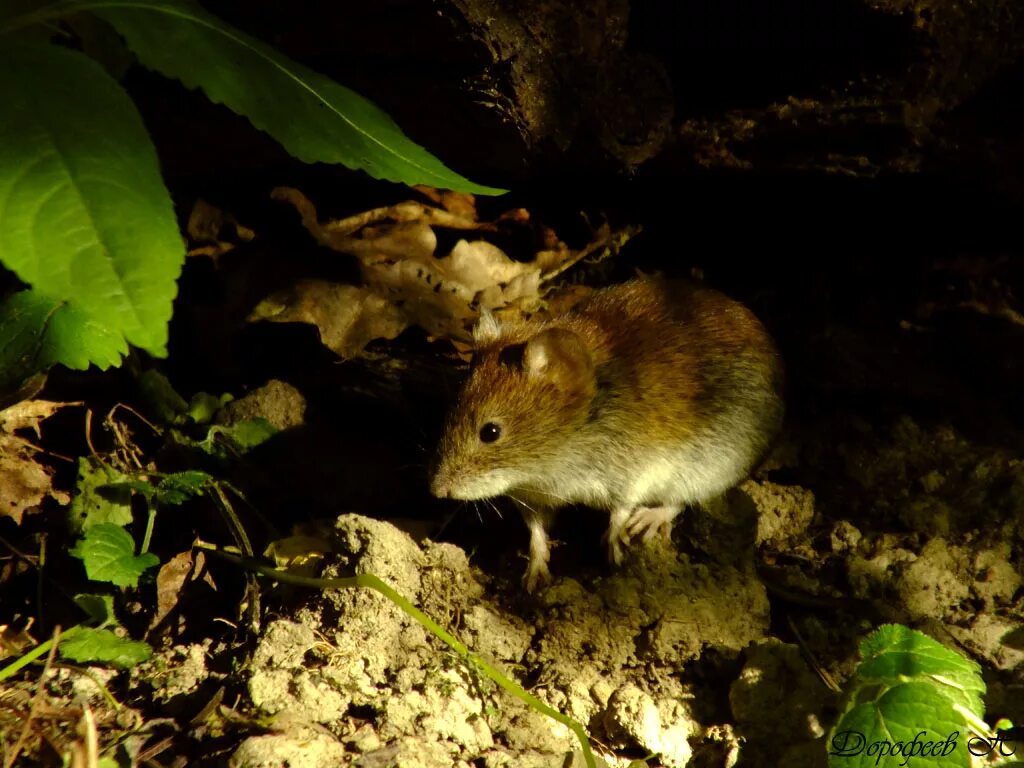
440, 487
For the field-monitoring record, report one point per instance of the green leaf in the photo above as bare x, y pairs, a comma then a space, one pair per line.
181, 486
90, 646
37, 332
313, 118
84, 216
222, 442
139, 486
14, 11
906, 720
249, 433
99, 608
108, 552
894, 652
102, 495
204, 406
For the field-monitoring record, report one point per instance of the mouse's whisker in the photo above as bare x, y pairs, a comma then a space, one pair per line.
522, 503
476, 509
495, 507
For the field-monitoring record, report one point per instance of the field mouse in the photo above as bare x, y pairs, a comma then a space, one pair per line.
643, 398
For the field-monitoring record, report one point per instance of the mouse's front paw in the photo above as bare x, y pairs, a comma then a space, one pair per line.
651, 521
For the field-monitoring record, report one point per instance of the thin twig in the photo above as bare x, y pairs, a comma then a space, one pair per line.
37, 701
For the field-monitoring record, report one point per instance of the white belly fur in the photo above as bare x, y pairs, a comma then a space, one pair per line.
688, 474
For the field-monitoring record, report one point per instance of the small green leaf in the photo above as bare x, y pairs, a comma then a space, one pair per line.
181, 486
204, 406
894, 652
99, 608
239, 438
102, 646
904, 719
108, 552
102, 495
249, 433
313, 118
85, 218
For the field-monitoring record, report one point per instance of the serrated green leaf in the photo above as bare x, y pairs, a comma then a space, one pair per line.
85, 218
181, 486
102, 495
108, 552
313, 118
897, 719
894, 652
37, 332
102, 646
99, 608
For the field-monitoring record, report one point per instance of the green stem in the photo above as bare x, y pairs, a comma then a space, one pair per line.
371, 581
100, 685
234, 524
149, 529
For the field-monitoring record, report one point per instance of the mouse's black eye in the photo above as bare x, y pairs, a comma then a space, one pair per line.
489, 432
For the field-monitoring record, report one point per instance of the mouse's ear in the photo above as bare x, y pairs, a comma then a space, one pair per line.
487, 328
558, 354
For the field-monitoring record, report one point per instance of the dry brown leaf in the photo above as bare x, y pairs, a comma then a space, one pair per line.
24, 482
298, 553
347, 317
217, 232
459, 203
28, 413
396, 247
340, 231
171, 580
14, 642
